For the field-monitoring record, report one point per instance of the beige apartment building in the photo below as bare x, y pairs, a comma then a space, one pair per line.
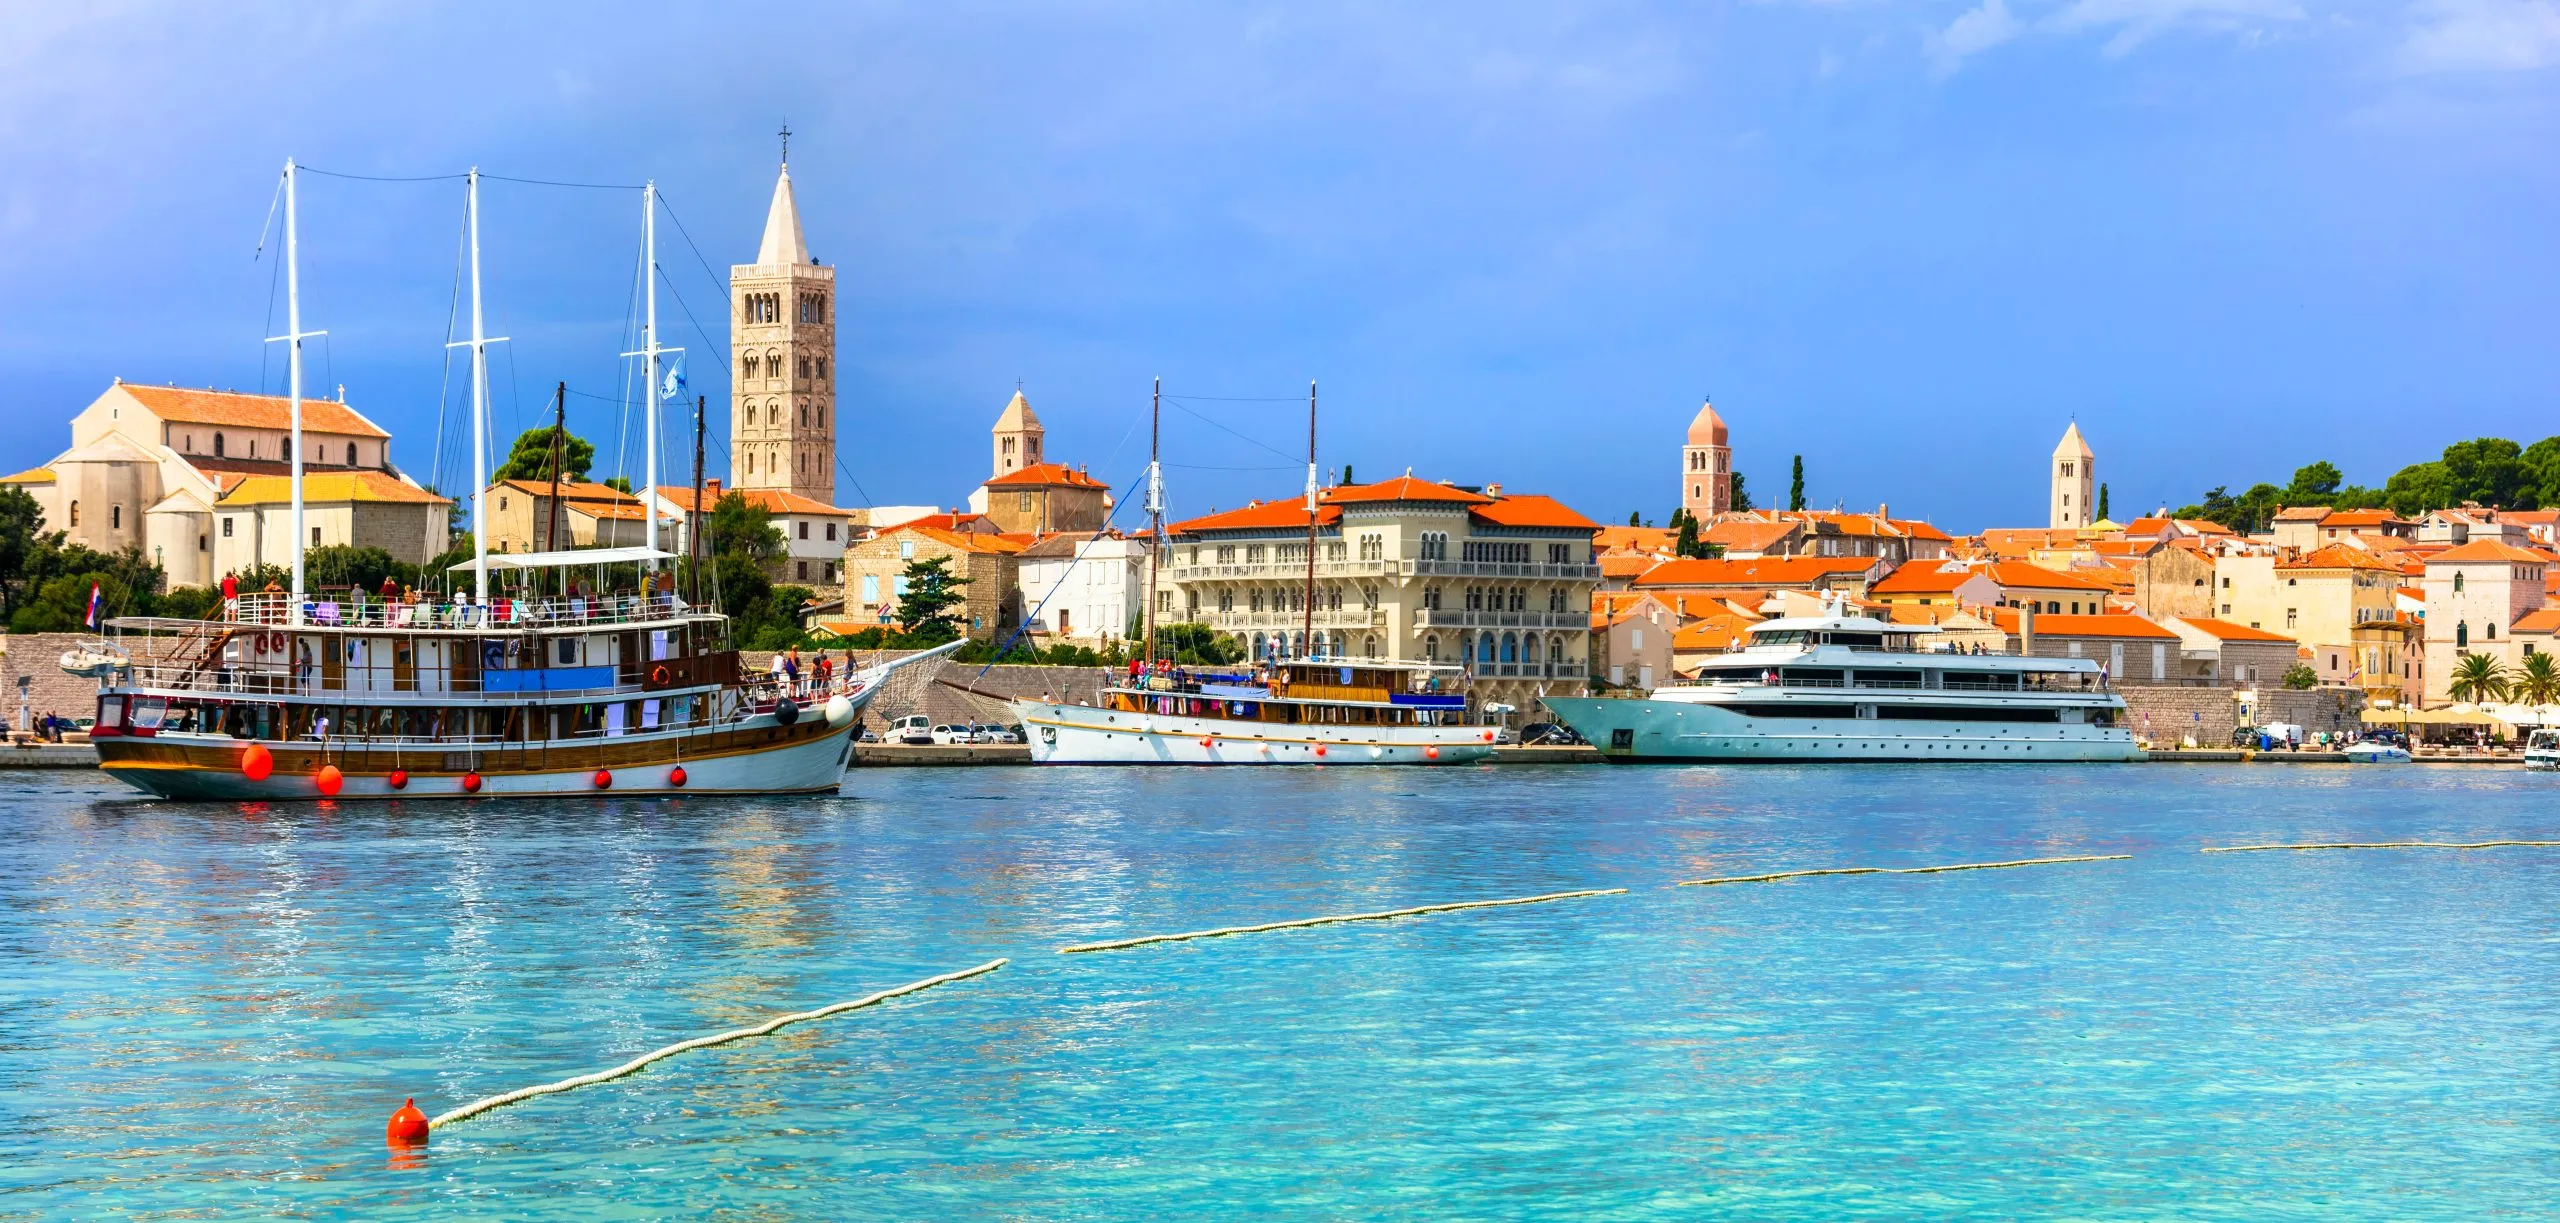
253, 523
2337, 599
2477, 594
875, 576
1405, 570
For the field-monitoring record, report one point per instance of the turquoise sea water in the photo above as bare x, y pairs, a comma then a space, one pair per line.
207, 1011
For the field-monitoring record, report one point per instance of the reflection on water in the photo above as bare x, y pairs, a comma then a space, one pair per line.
210, 1010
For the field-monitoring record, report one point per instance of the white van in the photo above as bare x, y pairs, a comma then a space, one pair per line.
914, 728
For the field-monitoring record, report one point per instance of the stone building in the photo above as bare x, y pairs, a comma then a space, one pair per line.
147, 464
875, 576
1405, 570
2174, 579
1706, 466
782, 410
1083, 586
2075, 483
2134, 650
1017, 438
2476, 594
2233, 655
253, 523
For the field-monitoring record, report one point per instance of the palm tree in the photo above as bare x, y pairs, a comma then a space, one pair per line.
2479, 677
2538, 683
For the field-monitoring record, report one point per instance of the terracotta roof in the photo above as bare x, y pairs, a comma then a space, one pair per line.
1627, 566
2546, 620
1743, 535
2362, 518
1923, 577
620, 511
1260, 516
570, 490
1654, 539
330, 487
2099, 626
1706, 428
2204, 526
1920, 530
2339, 556
1716, 634
1060, 545
194, 407
1532, 510
32, 475
1047, 475
2021, 575
959, 541
783, 501
1770, 571
2487, 550
2227, 631
2302, 513
1402, 488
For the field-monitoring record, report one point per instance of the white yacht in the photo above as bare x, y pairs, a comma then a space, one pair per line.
1844, 687
1306, 711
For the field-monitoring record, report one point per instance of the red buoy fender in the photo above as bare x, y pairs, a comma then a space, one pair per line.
604, 779
408, 1126
1431, 753
471, 783
330, 780
675, 777
399, 779
257, 764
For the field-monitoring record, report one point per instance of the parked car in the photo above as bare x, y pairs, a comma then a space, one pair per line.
1009, 734
950, 733
1550, 734
914, 728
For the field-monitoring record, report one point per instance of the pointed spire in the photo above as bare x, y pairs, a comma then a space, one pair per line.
2072, 445
782, 240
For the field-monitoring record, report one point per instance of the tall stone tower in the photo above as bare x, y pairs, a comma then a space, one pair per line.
782, 412
1706, 467
2075, 482
1017, 437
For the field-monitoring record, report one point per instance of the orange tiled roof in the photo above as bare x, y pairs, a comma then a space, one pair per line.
193, 407
2339, 556
1047, 475
32, 475
1743, 535
1648, 539
2020, 575
2227, 631
1771, 571
2098, 626
962, 541
1717, 634
1261, 515
570, 490
1923, 577
2480, 550
330, 487
2547, 620
2344, 519
1532, 510
2302, 513
783, 501
1627, 566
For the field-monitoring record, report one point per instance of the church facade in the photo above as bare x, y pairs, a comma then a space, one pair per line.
782, 404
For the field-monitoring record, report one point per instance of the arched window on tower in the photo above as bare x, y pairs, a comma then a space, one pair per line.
75, 513
351, 454
217, 445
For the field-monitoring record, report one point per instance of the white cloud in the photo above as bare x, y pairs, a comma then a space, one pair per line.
2483, 36
1978, 30
2137, 21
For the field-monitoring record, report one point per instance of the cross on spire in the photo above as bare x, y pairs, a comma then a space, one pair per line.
786, 142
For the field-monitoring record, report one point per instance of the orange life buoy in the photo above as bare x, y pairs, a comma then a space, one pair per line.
659, 675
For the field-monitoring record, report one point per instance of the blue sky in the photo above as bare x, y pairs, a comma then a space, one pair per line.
1515, 244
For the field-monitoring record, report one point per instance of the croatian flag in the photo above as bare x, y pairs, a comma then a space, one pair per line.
93, 605
672, 384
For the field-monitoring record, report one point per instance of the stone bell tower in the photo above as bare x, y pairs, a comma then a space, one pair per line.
782, 410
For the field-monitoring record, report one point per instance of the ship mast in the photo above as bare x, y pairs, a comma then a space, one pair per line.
1155, 512
479, 345
649, 352
1307, 636
293, 337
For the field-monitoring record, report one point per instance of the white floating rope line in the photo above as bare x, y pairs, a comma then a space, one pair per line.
2247, 849
477, 1107
1116, 944
1899, 870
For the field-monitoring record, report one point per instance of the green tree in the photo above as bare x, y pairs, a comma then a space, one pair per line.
2314, 484
1686, 542
1197, 645
2542, 461
1635, 518
1795, 486
530, 459
2258, 508
2537, 681
2300, 677
2102, 502
21, 533
2478, 677
347, 565
932, 592
1741, 498
618, 483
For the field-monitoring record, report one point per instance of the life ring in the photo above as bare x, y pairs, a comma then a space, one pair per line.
659, 676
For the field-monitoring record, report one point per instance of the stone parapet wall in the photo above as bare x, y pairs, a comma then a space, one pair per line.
2337, 710
38, 657
2167, 714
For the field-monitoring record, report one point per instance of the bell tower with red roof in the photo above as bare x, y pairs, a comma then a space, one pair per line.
1706, 467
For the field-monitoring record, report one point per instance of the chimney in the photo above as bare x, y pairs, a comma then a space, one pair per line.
1493, 490
2026, 631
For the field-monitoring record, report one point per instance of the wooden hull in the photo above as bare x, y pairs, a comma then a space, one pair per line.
756, 756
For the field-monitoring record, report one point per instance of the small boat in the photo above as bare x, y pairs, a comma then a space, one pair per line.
2376, 751
2542, 749
95, 660
1307, 711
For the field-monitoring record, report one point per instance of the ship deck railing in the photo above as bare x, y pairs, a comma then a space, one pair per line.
276, 610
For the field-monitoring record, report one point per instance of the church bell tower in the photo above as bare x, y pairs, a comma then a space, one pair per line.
782, 408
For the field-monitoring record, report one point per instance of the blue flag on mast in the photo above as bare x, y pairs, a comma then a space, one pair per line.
672, 386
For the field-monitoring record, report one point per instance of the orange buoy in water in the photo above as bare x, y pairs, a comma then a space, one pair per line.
257, 764
330, 780
471, 783
604, 779
399, 779
675, 777
1431, 753
408, 1126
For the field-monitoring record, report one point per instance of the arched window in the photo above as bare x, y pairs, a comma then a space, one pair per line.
746, 367
2461, 631
1430, 647
1510, 647
2490, 630
1370, 646
1531, 648
773, 363
1555, 649
751, 462
1484, 648
115, 522
217, 445
2457, 583
351, 454
75, 513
